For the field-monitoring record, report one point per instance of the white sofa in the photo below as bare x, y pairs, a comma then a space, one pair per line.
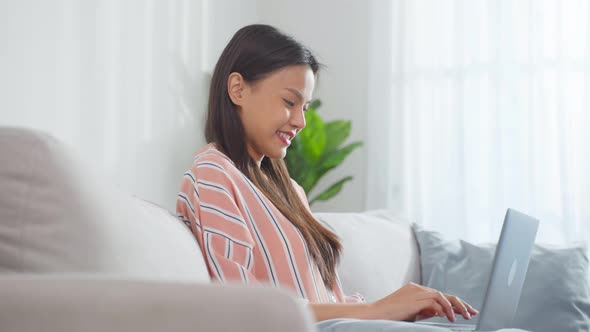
78, 255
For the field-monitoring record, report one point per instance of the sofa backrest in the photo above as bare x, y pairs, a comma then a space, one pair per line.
380, 253
58, 216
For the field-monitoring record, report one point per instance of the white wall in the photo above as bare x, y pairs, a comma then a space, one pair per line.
337, 32
125, 82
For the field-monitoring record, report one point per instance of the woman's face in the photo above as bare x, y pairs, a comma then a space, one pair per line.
272, 109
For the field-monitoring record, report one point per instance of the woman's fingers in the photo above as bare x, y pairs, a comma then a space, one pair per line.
427, 313
447, 306
468, 307
439, 302
429, 302
431, 309
472, 311
459, 306
441, 299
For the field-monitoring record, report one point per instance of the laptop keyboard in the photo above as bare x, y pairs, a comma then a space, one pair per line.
452, 327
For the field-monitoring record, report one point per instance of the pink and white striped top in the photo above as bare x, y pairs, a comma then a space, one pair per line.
243, 236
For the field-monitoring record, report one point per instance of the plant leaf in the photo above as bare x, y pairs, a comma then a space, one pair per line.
336, 157
315, 151
309, 179
295, 149
332, 191
296, 163
336, 133
314, 105
331, 161
313, 137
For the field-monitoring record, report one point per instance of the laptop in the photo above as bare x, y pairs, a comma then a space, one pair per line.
511, 262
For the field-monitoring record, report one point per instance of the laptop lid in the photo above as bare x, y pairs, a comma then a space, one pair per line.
509, 269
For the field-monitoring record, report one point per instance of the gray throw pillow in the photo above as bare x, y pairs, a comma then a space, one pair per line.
556, 293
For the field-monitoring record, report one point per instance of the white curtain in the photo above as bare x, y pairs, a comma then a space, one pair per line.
477, 106
122, 82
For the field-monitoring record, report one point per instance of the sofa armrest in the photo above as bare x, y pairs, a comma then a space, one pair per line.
97, 304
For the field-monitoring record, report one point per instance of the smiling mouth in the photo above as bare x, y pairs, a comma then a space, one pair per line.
284, 137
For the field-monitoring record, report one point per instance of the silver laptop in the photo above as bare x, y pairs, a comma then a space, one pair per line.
511, 262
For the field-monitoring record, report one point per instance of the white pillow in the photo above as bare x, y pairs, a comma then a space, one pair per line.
379, 255
58, 216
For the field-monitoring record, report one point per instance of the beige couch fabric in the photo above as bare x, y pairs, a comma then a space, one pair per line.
59, 304
57, 216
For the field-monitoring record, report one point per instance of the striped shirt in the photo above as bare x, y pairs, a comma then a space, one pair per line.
244, 238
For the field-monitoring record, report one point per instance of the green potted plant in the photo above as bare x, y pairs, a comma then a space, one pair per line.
317, 150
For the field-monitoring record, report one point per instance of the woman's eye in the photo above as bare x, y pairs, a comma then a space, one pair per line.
288, 102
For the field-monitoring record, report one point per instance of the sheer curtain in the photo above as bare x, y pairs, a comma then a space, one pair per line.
477, 106
122, 82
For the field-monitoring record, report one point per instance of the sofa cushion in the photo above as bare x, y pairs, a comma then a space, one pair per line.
555, 296
97, 304
57, 215
379, 254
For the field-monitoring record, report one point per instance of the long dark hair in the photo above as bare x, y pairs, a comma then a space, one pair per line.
255, 52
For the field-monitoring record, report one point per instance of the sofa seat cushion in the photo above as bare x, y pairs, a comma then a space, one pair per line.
57, 215
379, 255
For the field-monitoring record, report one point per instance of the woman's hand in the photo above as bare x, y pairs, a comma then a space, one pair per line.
415, 302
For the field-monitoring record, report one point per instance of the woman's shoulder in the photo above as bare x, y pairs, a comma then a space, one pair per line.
210, 157
210, 153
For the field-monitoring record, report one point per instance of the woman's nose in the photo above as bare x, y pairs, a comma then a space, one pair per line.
298, 119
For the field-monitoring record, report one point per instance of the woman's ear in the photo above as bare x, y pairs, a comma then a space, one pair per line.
235, 88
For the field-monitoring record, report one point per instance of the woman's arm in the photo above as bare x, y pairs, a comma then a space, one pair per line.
409, 303
330, 311
207, 202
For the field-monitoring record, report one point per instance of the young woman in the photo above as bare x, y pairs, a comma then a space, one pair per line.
250, 218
